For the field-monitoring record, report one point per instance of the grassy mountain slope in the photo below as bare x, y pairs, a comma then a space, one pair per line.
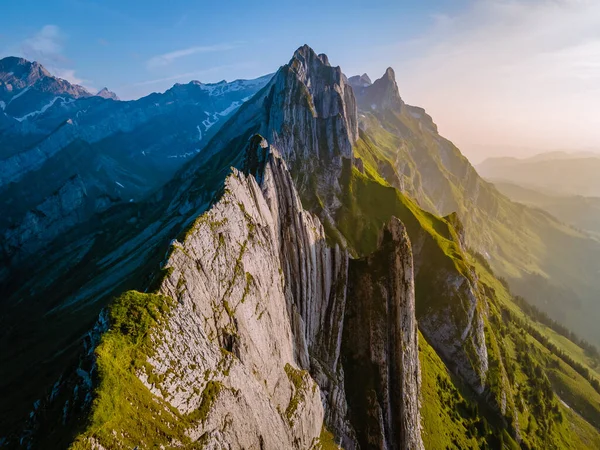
551, 264
581, 212
528, 385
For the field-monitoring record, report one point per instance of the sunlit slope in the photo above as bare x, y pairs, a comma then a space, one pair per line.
553, 265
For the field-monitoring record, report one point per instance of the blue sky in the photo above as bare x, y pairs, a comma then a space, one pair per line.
498, 76
130, 46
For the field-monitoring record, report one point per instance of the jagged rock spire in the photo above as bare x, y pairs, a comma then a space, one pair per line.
360, 81
380, 345
105, 93
383, 94
312, 119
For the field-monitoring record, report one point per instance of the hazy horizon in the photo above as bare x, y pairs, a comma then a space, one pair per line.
499, 77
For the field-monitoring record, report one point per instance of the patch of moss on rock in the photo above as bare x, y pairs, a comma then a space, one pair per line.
124, 413
297, 377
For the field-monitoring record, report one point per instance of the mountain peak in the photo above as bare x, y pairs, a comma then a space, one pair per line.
22, 69
323, 57
306, 57
360, 81
383, 94
390, 74
105, 93
325, 87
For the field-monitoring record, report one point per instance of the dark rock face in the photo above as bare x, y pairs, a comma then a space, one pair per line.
380, 352
360, 81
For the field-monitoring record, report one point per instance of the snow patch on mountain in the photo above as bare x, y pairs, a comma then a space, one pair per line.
45, 108
19, 95
186, 154
229, 109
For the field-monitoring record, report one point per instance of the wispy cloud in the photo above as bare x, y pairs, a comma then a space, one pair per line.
188, 76
520, 72
168, 58
47, 47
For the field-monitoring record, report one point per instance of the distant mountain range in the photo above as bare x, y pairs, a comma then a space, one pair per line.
66, 154
579, 211
558, 172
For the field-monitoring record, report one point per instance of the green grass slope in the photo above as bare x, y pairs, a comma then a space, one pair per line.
552, 264
532, 395
581, 212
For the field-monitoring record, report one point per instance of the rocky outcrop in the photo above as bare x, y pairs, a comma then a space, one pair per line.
231, 325
380, 346
383, 94
55, 215
105, 93
312, 119
452, 319
359, 82
316, 280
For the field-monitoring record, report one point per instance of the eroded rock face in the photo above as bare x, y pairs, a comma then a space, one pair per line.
316, 279
380, 346
231, 325
382, 94
455, 328
312, 119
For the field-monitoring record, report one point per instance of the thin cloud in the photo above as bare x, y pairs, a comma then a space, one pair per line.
191, 75
69, 75
47, 47
168, 58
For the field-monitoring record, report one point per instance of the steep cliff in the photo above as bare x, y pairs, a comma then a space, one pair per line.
381, 362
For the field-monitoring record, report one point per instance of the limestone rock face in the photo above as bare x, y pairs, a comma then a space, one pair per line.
258, 324
455, 327
380, 346
316, 280
316, 99
231, 327
312, 119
